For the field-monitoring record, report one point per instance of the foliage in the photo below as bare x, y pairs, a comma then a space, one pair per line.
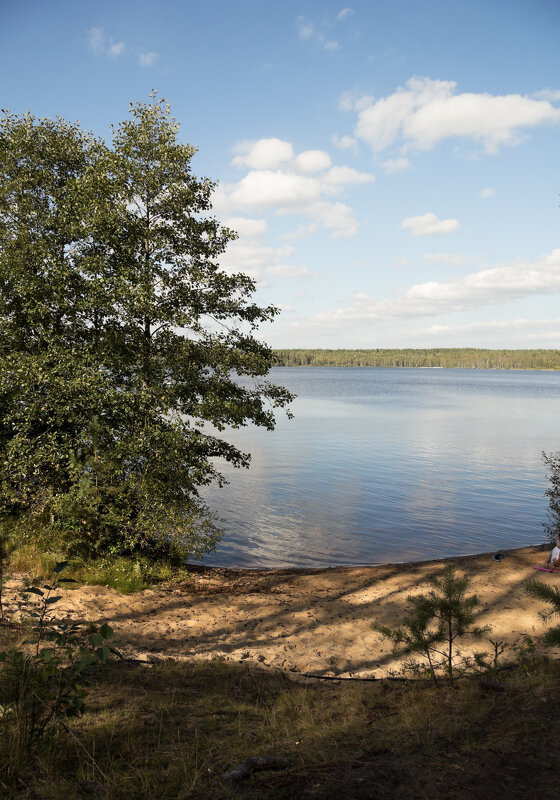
438, 620
3, 555
124, 348
551, 595
552, 526
462, 357
42, 682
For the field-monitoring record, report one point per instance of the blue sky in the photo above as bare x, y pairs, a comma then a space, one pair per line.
392, 167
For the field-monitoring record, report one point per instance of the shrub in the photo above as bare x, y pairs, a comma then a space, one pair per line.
42, 681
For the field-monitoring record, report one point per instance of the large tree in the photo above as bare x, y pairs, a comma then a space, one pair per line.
125, 350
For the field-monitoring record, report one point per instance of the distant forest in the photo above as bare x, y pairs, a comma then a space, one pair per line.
457, 357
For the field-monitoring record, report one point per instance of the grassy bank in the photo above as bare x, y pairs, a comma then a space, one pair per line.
171, 730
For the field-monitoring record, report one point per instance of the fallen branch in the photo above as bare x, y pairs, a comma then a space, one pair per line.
245, 768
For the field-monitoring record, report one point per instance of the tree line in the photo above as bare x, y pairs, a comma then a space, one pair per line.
452, 357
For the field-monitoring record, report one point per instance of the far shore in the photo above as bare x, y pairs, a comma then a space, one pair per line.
305, 620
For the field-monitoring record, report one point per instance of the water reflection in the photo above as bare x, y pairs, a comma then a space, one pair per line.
383, 465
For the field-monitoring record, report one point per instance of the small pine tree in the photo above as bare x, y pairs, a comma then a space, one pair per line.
454, 611
437, 620
550, 595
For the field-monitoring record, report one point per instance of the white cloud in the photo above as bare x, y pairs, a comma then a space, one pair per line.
427, 111
429, 225
249, 253
547, 94
344, 142
264, 154
147, 59
520, 333
353, 101
450, 259
115, 50
336, 218
305, 28
311, 161
344, 13
527, 328
301, 232
295, 185
487, 287
308, 32
289, 271
248, 228
341, 176
488, 192
395, 165
274, 189
364, 102
346, 101
100, 45
96, 40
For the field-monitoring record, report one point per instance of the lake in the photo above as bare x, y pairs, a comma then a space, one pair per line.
386, 465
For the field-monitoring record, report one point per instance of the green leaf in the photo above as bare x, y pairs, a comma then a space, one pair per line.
103, 653
106, 631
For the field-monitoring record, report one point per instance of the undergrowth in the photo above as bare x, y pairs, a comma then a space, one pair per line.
171, 730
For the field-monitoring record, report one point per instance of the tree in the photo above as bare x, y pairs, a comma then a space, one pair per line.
125, 350
552, 526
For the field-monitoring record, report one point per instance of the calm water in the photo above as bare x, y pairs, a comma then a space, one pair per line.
386, 465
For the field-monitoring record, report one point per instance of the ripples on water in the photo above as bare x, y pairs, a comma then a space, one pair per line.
386, 465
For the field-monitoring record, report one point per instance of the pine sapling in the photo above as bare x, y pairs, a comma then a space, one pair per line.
550, 595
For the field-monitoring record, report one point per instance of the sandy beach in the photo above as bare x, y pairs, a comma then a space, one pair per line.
316, 621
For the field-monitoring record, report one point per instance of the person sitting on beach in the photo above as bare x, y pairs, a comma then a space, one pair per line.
553, 561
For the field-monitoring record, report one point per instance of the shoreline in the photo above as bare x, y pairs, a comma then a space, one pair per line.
544, 546
316, 620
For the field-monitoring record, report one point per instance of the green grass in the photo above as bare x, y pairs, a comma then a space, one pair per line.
125, 575
36, 556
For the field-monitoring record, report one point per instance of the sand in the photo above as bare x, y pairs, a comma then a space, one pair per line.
316, 621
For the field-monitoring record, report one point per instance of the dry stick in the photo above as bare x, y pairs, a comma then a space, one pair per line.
395, 678
245, 768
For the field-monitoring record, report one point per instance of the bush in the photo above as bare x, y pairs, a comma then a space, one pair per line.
42, 681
